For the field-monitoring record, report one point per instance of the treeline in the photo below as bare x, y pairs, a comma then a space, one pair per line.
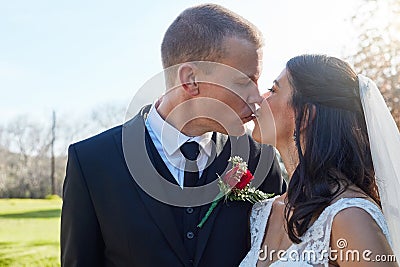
33, 153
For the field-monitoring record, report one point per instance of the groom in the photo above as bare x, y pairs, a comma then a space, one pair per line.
130, 198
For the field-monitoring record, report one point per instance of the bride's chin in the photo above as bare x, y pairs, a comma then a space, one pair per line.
256, 135
262, 137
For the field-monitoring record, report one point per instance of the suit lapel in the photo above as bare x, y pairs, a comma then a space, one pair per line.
218, 166
140, 166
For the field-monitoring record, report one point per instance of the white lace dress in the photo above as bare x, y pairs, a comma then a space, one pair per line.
314, 248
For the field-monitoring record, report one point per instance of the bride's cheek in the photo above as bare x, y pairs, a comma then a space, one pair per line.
265, 117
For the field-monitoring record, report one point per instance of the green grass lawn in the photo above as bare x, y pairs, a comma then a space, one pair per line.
29, 232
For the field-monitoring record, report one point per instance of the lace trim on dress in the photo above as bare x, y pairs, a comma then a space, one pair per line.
316, 239
258, 223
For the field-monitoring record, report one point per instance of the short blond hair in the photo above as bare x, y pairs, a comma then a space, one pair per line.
197, 34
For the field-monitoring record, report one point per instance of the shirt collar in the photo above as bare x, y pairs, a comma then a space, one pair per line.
172, 139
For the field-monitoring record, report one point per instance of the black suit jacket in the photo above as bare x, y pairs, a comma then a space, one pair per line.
108, 219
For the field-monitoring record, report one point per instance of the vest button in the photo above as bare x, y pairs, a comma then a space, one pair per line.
189, 210
190, 235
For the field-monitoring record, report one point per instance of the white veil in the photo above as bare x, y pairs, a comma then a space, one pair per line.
384, 138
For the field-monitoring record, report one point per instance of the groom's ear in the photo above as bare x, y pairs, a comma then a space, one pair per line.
187, 78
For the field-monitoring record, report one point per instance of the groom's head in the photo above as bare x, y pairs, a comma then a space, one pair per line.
197, 34
211, 58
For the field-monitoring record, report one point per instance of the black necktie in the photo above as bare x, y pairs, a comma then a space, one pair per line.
190, 151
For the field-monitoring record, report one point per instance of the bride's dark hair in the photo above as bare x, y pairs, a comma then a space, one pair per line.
335, 152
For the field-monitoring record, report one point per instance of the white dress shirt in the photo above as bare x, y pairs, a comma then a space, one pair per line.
168, 140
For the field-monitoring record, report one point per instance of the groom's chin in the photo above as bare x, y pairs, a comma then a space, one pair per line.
233, 130
229, 126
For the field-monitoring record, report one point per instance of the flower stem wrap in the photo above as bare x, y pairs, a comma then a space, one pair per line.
212, 207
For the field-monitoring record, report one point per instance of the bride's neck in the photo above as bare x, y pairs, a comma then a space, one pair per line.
289, 157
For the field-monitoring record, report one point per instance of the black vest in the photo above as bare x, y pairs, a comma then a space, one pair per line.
186, 218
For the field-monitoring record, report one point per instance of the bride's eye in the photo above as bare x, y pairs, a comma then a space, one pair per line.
272, 90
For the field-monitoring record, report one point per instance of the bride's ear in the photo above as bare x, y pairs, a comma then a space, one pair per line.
309, 115
187, 78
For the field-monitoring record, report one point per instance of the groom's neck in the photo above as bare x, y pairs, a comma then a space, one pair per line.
175, 118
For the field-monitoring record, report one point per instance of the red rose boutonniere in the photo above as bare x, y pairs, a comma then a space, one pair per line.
235, 185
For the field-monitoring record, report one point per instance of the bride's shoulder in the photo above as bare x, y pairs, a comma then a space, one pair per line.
355, 211
360, 224
353, 199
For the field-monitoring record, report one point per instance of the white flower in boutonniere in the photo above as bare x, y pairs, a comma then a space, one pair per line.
235, 186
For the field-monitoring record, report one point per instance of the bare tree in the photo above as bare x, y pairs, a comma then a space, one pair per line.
26, 159
378, 50
28, 137
107, 115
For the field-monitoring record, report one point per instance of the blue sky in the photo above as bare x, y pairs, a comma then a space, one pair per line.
72, 56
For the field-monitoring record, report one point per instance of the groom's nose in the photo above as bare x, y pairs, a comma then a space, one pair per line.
254, 96
255, 99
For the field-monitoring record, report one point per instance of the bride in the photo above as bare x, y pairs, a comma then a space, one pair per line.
335, 135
